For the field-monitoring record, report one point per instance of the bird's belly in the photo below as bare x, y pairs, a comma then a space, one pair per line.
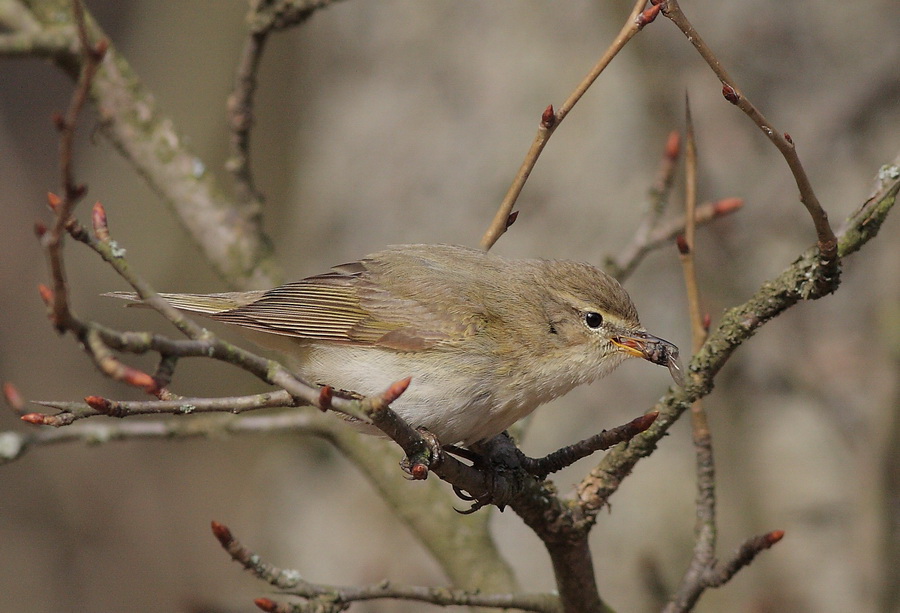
456, 404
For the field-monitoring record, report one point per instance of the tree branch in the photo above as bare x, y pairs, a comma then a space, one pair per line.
291, 582
829, 271
504, 216
738, 324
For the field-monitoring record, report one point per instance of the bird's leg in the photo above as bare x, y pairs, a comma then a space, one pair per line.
498, 459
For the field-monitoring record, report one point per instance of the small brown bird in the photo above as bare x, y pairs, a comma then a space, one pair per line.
486, 339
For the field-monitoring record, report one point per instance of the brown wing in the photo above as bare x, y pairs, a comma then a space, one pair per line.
350, 304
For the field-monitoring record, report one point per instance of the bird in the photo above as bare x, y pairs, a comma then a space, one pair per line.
485, 339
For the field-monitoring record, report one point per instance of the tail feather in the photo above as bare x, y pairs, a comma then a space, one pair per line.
204, 304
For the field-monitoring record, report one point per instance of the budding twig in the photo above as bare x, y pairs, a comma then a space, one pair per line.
550, 121
828, 275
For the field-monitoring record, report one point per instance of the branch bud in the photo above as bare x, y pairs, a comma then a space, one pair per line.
53, 200
673, 145
46, 294
648, 16
13, 397
98, 218
730, 93
727, 205
548, 117
222, 533
266, 604
38, 419
326, 393
774, 536
98, 403
512, 219
396, 390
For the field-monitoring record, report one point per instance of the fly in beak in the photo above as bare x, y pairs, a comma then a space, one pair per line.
653, 349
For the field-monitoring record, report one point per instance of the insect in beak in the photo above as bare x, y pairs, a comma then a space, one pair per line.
653, 349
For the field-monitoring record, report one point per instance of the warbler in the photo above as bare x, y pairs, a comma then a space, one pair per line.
486, 339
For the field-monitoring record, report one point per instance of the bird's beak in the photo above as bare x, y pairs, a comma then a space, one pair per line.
653, 349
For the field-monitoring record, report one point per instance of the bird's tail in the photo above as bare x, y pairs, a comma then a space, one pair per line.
204, 304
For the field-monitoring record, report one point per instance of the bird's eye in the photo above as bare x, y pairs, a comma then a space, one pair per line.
593, 319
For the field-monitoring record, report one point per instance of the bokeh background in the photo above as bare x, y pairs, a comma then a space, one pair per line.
404, 121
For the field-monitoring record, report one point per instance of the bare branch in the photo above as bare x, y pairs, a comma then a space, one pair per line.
339, 596
705, 528
699, 579
738, 324
662, 235
550, 121
266, 17
230, 237
829, 271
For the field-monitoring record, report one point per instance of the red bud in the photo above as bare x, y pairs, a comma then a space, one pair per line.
46, 294
648, 16
730, 93
53, 200
774, 536
683, 247
673, 145
396, 390
326, 393
138, 378
644, 421
98, 403
222, 533
548, 117
58, 120
270, 606
727, 205
418, 471
38, 419
98, 218
512, 219
100, 49
13, 397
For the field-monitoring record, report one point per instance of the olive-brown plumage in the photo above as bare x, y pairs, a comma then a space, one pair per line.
486, 339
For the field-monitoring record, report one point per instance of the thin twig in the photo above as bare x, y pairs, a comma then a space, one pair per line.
550, 120
266, 17
240, 115
13, 445
624, 264
568, 455
829, 271
662, 235
291, 582
96, 405
62, 208
716, 575
705, 529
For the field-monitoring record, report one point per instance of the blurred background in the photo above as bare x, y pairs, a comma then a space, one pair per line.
405, 121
